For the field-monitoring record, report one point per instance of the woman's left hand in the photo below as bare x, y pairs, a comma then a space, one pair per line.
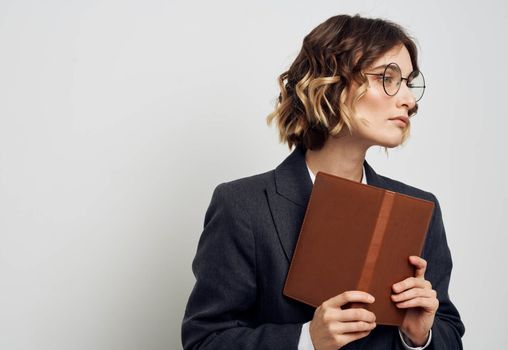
416, 295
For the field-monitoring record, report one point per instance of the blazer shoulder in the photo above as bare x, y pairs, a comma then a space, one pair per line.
250, 183
247, 189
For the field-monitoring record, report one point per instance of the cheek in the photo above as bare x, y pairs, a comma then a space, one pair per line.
374, 103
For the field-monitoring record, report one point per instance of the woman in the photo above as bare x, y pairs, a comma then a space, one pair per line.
354, 85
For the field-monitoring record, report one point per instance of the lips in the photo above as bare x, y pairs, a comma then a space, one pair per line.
402, 118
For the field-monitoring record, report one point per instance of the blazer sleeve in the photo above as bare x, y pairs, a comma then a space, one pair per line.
220, 312
448, 328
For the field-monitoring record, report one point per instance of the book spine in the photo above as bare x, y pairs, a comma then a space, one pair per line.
376, 241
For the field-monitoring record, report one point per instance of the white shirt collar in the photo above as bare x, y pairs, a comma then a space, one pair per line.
313, 177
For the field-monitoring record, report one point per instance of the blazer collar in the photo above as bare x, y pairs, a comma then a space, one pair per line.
292, 179
293, 187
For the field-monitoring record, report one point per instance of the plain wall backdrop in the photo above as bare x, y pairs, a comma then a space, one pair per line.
119, 118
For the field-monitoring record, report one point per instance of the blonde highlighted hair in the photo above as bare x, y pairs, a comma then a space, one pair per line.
312, 104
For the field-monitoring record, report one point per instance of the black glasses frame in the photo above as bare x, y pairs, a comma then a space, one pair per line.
408, 83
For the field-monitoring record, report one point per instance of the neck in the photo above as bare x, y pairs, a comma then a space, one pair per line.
340, 156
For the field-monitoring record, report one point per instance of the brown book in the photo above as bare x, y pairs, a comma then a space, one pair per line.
357, 237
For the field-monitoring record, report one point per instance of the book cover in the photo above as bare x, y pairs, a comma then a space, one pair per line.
357, 237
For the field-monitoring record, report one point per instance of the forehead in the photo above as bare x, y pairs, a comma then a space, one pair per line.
398, 54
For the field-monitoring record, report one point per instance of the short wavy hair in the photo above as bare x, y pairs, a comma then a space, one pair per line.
313, 92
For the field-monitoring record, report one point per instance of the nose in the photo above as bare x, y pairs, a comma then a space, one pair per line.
405, 97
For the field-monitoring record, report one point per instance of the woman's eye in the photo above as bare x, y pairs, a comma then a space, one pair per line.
387, 80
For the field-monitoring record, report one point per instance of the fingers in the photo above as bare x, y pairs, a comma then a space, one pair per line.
411, 282
354, 327
354, 296
420, 265
418, 281
429, 304
332, 327
414, 293
333, 314
356, 314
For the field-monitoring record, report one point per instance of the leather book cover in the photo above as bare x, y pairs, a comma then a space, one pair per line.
357, 237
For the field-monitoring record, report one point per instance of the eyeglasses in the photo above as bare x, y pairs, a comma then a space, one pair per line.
392, 80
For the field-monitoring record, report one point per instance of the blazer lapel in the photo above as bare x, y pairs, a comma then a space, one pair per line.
293, 187
289, 201
373, 179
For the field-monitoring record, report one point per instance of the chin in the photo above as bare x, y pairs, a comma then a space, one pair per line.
385, 138
390, 143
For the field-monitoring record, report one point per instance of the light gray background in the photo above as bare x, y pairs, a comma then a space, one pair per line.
118, 119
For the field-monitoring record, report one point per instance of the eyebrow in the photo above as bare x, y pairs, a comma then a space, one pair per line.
381, 66
385, 65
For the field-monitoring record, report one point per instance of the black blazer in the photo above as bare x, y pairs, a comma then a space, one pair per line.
250, 231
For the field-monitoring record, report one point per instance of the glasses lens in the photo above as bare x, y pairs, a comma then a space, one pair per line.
416, 83
391, 79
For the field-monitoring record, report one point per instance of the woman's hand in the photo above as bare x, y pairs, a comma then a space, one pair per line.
332, 327
416, 295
